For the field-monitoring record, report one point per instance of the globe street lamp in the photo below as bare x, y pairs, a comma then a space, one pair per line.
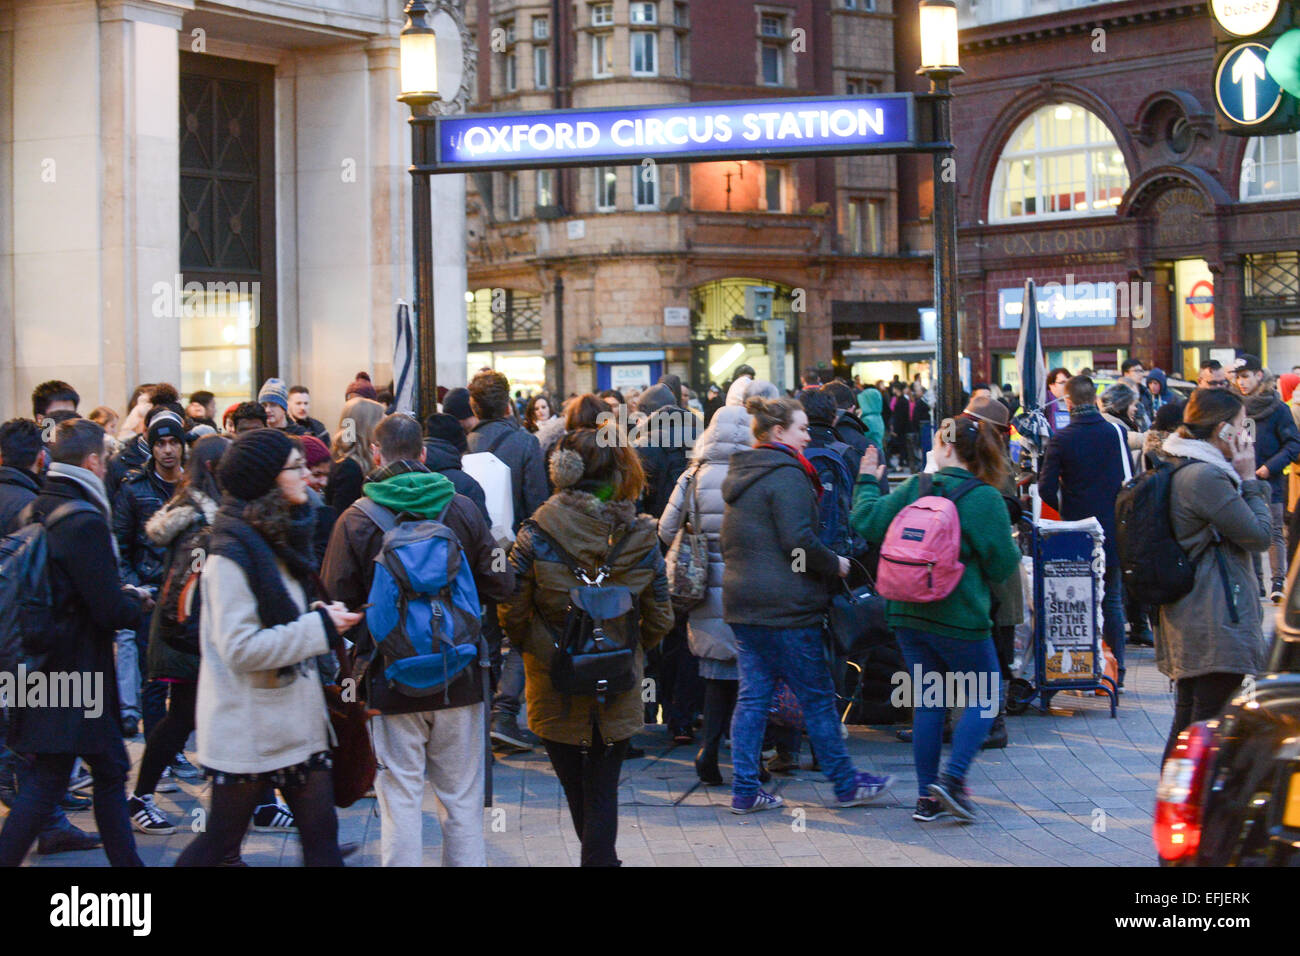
419, 69
939, 63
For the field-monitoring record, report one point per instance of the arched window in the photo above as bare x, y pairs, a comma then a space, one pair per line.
1061, 161
1271, 168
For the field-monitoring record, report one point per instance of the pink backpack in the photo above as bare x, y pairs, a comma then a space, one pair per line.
919, 560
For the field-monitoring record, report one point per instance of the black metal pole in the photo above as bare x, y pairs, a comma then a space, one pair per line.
947, 379
559, 340
426, 398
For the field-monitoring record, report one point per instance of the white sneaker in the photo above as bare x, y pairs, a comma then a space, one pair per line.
146, 817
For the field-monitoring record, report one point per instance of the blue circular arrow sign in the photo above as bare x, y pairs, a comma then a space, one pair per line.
1246, 93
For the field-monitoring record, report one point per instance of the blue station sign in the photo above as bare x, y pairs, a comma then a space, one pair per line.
687, 132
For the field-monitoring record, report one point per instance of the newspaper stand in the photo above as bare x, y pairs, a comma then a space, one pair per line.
1067, 611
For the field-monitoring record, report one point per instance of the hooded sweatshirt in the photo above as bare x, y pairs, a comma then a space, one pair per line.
1166, 396
871, 402
422, 493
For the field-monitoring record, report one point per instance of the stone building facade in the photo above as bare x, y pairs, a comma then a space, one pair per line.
586, 278
1089, 155
270, 132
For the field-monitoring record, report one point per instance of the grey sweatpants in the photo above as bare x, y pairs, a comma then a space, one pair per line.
450, 746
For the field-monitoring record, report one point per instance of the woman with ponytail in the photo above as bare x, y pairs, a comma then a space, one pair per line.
1213, 636
776, 583
951, 636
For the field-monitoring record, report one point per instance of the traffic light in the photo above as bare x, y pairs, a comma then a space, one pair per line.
1250, 88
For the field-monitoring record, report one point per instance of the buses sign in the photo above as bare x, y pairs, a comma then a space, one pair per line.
687, 132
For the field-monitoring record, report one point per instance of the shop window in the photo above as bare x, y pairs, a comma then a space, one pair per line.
1271, 168
503, 315
1061, 161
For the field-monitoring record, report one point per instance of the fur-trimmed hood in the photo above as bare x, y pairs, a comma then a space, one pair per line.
180, 515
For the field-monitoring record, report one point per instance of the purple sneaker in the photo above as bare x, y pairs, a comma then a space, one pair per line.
759, 801
867, 787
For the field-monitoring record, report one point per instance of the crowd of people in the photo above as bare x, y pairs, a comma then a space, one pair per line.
220, 573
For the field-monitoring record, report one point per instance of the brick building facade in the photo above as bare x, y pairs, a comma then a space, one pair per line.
587, 278
1151, 192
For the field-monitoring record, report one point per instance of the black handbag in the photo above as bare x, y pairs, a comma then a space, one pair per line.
856, 617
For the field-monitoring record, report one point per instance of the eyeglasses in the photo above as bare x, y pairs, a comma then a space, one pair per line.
301, 466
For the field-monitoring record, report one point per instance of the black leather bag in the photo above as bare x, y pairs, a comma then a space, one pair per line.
856, 617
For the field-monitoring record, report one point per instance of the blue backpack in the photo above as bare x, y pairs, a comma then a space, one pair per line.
424, 613
837, 497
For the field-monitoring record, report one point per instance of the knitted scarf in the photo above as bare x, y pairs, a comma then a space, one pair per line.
235, 538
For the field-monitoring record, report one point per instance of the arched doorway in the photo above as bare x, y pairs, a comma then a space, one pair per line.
724, 335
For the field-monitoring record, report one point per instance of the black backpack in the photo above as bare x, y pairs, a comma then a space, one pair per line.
180, 600
1155, 568
26, 599
595, 649
830, 461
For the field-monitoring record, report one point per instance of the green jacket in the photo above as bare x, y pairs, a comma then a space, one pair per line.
870, 401
987, 551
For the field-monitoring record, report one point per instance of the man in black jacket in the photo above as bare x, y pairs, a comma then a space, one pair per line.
443, 736
90, 604
21, 457
1085, 465
497, 432
444, 443
142, 492
299, 407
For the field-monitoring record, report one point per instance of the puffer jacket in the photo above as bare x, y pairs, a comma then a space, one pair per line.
175, 527
710, 636
1209, 501
134, 454
582, 524
139, 497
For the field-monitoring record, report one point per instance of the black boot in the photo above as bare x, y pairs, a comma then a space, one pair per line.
706, 767
997, 738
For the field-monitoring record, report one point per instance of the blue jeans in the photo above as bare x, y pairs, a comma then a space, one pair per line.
43, 787
935, 653
1112, 615
797, 656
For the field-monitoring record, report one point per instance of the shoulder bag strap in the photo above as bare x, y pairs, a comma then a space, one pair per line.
499, 440
565, 557
925, 484
970, 484
377, 513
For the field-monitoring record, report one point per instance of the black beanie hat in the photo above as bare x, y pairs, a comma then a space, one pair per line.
165, 425
444, 426
456, 404
250, 465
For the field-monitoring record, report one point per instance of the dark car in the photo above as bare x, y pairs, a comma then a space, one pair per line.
1229, 791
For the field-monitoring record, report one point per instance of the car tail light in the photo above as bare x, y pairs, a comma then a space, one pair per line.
1181, 793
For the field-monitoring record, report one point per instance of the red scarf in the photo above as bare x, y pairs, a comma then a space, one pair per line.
809, 470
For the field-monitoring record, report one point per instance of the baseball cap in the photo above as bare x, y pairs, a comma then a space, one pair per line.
1247, 363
